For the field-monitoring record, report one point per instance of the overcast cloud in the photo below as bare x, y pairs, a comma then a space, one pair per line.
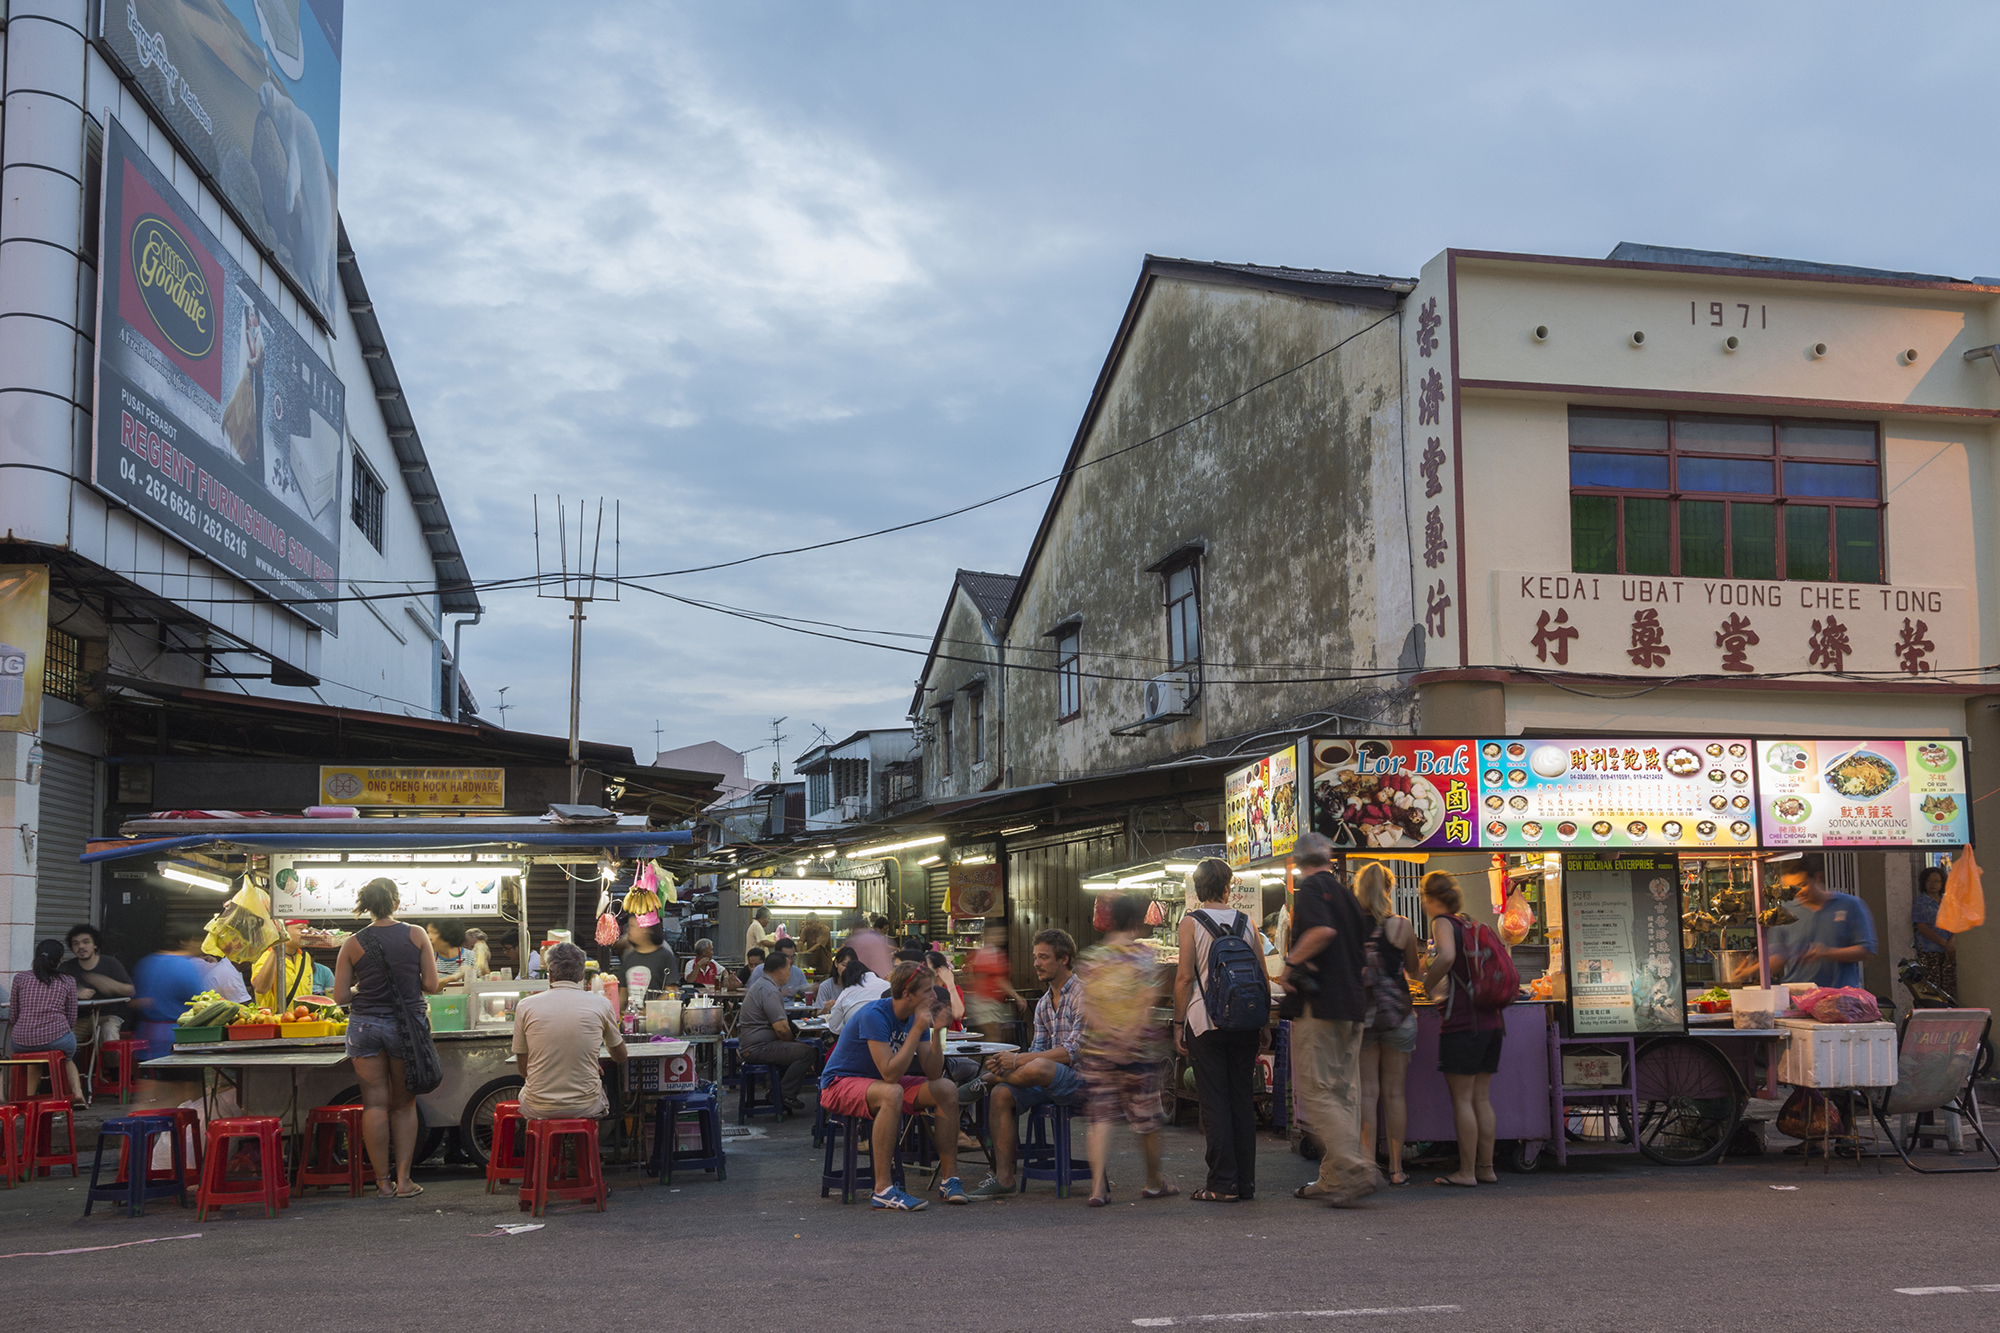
772, 274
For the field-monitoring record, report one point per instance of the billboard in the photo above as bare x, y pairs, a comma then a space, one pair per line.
1261, 808
251, 89
215, 421
1881, 793
1597, 792
24, 637
1392, 792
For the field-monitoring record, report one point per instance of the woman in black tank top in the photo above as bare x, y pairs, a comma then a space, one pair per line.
373, 985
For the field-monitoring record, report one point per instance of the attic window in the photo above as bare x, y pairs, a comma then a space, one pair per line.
368, 495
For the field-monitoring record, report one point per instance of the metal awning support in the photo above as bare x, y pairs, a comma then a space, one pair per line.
626, 843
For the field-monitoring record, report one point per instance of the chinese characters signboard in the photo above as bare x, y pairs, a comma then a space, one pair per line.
1388, 792
1625, 625
1262, 808
1432, 477
1622, 925
431, 788
1605, 793
1819, 793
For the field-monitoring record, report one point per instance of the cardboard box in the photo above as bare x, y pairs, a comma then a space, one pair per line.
1594, 1071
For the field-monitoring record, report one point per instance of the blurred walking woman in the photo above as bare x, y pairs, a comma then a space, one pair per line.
1389, 1035
372, 983
1223, 1061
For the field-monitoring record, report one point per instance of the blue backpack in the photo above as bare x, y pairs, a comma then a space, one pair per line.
1233, 987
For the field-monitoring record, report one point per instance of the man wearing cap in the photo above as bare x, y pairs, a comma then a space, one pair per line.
298, 979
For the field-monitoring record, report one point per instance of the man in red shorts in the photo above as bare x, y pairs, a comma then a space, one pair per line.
869, 1074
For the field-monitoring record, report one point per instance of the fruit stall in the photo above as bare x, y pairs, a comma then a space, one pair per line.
286, 1062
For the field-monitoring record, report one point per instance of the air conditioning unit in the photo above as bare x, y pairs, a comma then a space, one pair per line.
1168, 695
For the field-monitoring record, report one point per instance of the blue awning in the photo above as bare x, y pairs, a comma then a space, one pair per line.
627, 843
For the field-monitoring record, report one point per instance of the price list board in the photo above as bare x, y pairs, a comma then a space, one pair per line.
1615, 794
1622, 932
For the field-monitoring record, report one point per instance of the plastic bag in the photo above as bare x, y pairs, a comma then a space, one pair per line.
607, 929
243, 929
1838, 1004
1517, 920
1807, 1114
1964, 904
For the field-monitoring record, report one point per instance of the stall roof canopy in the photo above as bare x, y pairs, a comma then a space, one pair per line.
627, 838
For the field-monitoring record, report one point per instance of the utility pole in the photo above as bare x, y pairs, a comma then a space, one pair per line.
777, 751
656, 738
578, 585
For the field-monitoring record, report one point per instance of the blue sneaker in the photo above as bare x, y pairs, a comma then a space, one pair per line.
953, 1191
894, 1198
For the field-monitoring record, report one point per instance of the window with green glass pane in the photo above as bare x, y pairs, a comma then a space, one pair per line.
1646, 544
1753, 541
1857, 539
1593, 534
1806, 543
1702, 545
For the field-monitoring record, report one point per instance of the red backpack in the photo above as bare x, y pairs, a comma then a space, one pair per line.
1495, 981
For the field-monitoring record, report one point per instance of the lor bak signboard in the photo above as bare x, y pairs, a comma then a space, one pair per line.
215, 421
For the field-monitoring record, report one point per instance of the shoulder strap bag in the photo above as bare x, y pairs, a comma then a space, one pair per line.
422, 1070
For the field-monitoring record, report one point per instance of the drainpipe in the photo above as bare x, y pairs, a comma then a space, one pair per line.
456, 630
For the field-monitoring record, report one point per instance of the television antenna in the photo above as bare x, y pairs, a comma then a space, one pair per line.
777, 750
576, 575
503, 705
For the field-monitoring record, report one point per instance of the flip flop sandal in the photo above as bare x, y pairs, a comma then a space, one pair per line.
415, 1190
1164, 1192
1210, 1196
1099, 1201
1399, 1179
1457, 1184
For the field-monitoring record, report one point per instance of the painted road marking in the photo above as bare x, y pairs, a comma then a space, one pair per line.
1293, 1314
1944, 1291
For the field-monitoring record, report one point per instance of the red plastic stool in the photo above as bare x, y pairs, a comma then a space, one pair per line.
503, 1164
187, 1128
42, 1114
217, 1191
15, 1158
17, 1086
124, 1082
541, 1185
317, 1168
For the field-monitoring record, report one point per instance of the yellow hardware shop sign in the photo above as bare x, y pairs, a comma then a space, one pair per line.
429, 787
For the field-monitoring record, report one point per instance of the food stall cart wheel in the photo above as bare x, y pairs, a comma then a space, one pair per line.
1524, 1155
428, 1139
475, 1127
1689, 1101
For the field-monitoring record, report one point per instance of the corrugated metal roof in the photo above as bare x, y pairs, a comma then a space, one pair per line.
1637, 252
989, 592
456, 595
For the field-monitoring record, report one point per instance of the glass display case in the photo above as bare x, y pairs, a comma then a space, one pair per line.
491, 1004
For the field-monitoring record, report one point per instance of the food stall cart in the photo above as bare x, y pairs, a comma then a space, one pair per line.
464, 859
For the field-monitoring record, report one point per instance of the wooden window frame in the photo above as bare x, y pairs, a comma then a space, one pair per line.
1069, 673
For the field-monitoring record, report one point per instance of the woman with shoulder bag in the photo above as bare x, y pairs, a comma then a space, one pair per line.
1468, 1039
381, 975
1389, 1037
1224, 1060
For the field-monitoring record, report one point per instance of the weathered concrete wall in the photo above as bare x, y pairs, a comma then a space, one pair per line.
965, 638
1297, 494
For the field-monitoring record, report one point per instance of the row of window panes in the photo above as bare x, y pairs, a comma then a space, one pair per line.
1741, 476
1725, 539
1657, 432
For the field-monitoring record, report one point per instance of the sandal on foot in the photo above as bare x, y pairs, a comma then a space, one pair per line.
1398, 1179
1099, 1201
1310, 1190
1211, 1196
1163, 1192
415, 1190
1456, 1184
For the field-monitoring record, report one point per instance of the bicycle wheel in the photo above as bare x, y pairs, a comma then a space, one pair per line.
1689, 1101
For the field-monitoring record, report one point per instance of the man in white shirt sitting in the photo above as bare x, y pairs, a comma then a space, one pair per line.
558, 1034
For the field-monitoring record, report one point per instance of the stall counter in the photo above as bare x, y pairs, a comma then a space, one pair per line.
1520, 1090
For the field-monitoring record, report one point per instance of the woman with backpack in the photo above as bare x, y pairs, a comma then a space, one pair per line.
1222, 1007
1468, 1036
1389, 1036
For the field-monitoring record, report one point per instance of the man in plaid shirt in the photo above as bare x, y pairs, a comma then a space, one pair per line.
1046, 1071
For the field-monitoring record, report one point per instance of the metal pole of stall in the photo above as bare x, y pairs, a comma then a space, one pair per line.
1757, 916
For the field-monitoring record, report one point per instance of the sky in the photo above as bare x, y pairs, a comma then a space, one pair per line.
767, 275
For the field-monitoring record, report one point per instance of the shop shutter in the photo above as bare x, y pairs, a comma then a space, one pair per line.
1843, 872
1045, 890
938, 925
63, 895
872, 895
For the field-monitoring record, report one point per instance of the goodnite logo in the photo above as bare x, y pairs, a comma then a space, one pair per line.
173, 288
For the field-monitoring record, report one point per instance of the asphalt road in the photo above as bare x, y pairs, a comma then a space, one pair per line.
1763, 1244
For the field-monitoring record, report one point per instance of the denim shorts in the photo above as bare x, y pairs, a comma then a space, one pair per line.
373, 1034
1067, 1090
1402, 1037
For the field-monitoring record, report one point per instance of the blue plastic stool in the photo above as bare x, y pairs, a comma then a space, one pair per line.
134, 1137
748, 1103
852, 1177
667, 1152
1045, 1155
728, 1067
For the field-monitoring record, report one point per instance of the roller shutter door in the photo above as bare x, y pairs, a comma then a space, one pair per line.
68, 820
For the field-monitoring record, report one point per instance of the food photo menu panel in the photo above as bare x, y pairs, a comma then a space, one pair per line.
1558, 794
1820, 793
1395, 792
1622, 933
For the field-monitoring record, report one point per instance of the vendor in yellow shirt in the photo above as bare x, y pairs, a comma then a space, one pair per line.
298, 971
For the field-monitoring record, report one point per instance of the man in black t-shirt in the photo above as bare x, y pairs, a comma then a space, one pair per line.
98, 976
1324, 1000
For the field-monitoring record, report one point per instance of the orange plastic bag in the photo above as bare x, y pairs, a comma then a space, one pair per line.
1964, 904
1517, 920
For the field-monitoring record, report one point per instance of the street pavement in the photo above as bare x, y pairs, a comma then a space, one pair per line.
1765, 1244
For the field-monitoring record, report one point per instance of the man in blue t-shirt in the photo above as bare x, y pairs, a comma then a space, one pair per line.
868, 1075
1833, 935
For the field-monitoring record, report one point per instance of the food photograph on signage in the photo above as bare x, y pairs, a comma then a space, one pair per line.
1261, 804
1384, 793
1650, 792
1822, 793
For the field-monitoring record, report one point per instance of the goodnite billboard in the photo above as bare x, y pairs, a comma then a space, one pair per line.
251, 89
215, 421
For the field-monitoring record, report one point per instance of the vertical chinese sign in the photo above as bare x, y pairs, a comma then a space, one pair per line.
1432, 460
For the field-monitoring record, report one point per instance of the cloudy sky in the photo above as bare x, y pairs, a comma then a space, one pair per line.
773, 274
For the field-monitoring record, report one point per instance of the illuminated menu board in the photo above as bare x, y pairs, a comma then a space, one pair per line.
1601, 793
1896, 793
1261, 808
1622, 942
1395, 792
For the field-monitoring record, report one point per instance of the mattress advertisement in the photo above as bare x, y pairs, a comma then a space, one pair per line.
1622, 933
1655, 792
1890, 793
215, 421
1390, 792
251, 89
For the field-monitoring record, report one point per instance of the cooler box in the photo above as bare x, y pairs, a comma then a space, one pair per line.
448, 1012
1838, 1055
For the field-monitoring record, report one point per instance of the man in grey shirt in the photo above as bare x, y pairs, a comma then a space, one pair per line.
763, 1035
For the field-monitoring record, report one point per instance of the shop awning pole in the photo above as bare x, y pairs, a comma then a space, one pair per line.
1757, 916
